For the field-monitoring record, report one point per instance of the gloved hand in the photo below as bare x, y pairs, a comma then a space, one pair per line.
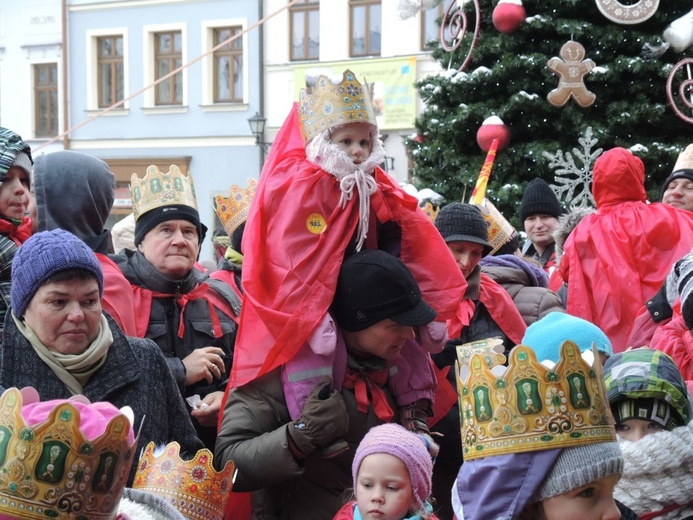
324, 419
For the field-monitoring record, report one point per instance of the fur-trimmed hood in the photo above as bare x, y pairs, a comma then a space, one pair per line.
566, 224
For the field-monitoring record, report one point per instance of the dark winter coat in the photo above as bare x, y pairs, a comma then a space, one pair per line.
253, 434
165, 316
135, 374
547, 259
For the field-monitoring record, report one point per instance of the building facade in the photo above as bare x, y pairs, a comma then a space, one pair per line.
31, 70
105, 70
327, 36
125, 53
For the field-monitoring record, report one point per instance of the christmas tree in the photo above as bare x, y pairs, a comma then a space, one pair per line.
507, 76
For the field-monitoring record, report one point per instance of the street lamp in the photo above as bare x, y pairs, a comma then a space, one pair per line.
257, 127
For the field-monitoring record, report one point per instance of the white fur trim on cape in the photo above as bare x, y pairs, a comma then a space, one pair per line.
328, 156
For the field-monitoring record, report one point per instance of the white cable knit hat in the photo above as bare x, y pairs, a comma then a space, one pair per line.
658, 473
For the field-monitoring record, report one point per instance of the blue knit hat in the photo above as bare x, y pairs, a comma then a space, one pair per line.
43, 255
547, 335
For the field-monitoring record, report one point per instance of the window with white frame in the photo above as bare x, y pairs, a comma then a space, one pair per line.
430, 28
225, 69
366, 27
45, 99
107, 68
165, 50
304, 30
110, 68
168, 56
228, 65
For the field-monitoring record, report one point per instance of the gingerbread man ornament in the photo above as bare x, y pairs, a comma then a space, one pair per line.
571, 69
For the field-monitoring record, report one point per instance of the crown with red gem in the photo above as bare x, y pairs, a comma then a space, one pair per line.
334, 104
233, 211
53, 469
192, 486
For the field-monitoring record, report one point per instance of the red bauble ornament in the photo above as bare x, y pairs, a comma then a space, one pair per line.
493, 128
419, 138
508, 15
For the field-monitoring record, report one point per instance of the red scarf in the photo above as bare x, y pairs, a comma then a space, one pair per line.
143, 307
17, 233
367, 387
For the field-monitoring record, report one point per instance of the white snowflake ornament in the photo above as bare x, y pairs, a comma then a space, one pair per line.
574, 183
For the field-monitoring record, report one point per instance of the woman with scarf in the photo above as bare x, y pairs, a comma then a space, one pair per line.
58, 340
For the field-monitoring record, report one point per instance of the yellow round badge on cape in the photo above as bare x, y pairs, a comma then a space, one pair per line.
316, 223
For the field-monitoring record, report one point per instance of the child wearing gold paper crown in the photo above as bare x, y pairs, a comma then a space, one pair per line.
538, 443
322, 196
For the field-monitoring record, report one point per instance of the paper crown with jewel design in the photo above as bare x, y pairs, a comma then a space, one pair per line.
500, 230
51, 469
233, 211
157, 189
430, 211
330, 105
528, 407
193, 486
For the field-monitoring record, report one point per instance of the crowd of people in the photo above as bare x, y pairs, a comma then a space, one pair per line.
349, 356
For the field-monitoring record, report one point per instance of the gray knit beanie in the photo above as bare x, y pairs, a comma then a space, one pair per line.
578, 466
43, 255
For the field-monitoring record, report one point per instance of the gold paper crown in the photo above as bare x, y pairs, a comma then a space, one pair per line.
528, 407
51, 470
430, 211
685, 159
331, 105
158, 189
193, 487
500, 230
233, 211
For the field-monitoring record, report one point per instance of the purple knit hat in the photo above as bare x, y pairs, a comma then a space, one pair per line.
408, 447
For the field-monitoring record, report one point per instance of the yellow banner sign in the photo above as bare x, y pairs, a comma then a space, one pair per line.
394, 95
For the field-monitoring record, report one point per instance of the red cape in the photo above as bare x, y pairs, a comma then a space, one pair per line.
290, 268
118, 299
500, 306
618, 257
503, 310
674, 339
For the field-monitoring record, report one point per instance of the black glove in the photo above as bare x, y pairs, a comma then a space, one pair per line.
323, 420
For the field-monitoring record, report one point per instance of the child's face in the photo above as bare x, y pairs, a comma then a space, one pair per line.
354, 140
14, 193
595, 501
635, 429
384, 339
383, 488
